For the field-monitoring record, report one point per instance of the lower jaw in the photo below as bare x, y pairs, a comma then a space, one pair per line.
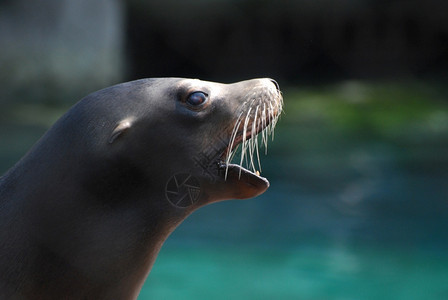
236, 172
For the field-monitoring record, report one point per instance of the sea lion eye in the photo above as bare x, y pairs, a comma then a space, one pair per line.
197, 98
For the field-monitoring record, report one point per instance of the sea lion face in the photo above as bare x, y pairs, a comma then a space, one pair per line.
177, 136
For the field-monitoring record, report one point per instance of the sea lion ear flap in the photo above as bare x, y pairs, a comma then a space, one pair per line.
121, 128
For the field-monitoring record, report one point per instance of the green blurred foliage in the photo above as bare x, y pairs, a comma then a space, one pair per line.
380, 109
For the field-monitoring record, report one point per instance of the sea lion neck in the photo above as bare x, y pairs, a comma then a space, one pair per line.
83, 240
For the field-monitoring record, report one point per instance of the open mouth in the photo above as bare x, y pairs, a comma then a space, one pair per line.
250, 135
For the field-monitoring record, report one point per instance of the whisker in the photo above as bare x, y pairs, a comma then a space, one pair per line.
232, 140
253, 140
256, 144
244, 143
272, 121
264, 133
257, 116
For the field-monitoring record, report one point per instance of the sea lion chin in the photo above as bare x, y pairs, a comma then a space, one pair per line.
85, 212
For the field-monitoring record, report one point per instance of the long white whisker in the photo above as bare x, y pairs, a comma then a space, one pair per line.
270, 114
253, 140
233, 136
257, 116
232, 140
234, 152
272, 121
244, 144
264, 136
256, 144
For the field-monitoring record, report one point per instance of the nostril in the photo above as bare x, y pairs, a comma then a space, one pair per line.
276, 84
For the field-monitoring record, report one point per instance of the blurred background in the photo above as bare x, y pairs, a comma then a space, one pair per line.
358, 203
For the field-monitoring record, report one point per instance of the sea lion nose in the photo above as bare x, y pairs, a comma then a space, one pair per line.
275, 83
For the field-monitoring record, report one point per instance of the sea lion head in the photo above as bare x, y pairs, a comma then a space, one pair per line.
174, 137
100, 192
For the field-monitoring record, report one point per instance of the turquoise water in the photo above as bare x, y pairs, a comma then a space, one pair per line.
252, 250
357, 208
307, 272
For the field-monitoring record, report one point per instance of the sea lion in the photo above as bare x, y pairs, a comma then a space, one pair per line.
84, 213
